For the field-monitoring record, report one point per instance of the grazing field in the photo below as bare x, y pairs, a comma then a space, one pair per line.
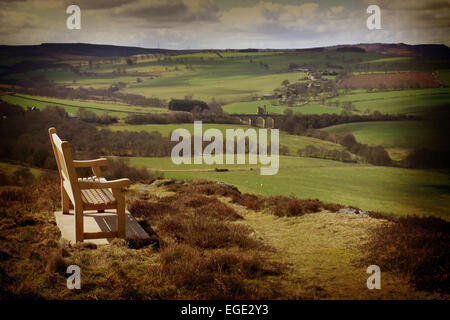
390, 80
412, 101
211, 84
292, 142
398, 137
71, 106
384, 189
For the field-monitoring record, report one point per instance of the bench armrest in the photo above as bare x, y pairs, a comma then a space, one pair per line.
119, 183
90, 163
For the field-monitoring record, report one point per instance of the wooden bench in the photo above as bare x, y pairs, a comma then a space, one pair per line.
92, 193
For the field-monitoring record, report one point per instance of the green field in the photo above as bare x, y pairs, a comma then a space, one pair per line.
251, 107
114, 109
212, 84
225, 76
292, 142
384, 189
398, 137
444, 76
414, 102
9, 169
410, 101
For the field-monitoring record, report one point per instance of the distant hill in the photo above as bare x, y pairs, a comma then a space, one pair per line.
100, 50
424, 50
80, 49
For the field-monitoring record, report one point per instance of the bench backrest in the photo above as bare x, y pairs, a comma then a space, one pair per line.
64, 160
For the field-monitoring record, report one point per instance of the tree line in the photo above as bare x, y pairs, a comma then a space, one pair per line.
25, 138
42, 87
299, 124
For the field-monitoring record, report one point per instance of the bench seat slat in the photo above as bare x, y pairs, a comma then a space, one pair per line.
96, 197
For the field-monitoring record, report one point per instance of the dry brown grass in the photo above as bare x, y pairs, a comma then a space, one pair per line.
415, 248
204, 248
279, 205
199, 250
206, 232
218, 274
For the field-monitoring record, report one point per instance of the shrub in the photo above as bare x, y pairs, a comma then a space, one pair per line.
203, 205
206, 232
415, 248
119, 168
218, 274
186, 105
150, 210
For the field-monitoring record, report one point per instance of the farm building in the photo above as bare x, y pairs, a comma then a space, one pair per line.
267, 96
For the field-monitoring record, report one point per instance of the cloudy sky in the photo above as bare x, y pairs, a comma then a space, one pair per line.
192, 24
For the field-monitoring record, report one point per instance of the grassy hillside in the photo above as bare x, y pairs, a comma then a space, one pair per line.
114, 109
212, 83
225, 76
398, 137
385, 189
292, 142
415, 102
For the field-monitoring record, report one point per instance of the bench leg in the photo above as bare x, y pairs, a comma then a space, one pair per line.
65, 201
120, 222
79, 224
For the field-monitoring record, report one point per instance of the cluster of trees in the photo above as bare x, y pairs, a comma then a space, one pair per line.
207, 116
90, 116
322, 153
25, 138
376, 155
187, 105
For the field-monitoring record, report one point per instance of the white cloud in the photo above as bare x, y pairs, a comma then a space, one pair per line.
201, 24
